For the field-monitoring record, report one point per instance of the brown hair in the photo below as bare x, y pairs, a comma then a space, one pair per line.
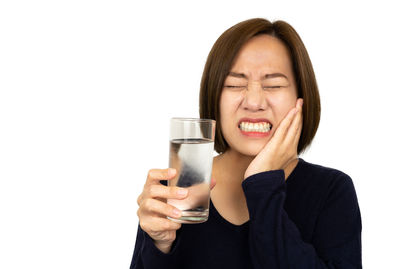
219, 63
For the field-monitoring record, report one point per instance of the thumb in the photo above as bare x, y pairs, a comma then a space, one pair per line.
213, 183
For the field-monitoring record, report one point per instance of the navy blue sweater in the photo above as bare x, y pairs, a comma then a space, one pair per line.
311, 220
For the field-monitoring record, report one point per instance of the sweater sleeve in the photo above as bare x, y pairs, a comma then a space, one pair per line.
147, 256
276, 242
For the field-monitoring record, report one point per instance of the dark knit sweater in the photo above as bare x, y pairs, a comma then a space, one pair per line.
311, 220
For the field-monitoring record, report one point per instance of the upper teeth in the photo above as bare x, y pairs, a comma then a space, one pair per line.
262, 127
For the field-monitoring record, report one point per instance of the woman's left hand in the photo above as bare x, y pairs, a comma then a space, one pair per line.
281, 149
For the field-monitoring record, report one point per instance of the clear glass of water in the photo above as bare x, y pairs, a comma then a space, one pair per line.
191, 148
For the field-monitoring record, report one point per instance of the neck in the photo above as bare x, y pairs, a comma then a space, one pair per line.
231, 165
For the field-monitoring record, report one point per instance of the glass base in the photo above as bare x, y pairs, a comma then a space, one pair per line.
192, 217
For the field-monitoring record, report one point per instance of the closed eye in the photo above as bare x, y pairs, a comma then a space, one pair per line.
272, 87
233, 87
241, 87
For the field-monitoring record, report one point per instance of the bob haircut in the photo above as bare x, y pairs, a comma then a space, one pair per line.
220, 61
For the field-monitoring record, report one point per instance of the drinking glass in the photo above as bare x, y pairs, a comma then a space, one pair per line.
191, 148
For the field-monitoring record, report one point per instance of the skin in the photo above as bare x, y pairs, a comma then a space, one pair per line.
253, 96
153, 207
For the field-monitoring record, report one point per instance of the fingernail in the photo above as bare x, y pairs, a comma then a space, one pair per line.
171, 171
176, 212
182, 192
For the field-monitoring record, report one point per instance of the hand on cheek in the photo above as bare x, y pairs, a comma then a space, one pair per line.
281, 149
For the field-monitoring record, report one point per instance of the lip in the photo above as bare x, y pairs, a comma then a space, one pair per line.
254, 134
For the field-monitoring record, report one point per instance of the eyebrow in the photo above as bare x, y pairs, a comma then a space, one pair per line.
267, 76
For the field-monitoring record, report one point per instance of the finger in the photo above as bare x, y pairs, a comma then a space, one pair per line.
164, 224
299, 102
213, 183
281, 131
157, 207
300, 126
294, 127
155, 175
151, 224
139, 199
298, 132
162, 191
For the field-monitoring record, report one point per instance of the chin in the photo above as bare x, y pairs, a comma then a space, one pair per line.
250, 150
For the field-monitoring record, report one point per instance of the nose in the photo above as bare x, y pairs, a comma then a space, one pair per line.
254, 98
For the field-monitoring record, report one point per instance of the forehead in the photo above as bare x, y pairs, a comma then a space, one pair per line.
263, 51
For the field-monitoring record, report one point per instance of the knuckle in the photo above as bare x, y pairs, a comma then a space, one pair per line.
152, 190
143, 225
138, 213
139, 199
147, 204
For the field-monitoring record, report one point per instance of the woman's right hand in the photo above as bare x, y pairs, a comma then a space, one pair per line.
153, 208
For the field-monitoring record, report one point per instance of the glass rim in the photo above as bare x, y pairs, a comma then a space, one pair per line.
192, 119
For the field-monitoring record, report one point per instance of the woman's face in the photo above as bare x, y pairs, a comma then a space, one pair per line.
260, 88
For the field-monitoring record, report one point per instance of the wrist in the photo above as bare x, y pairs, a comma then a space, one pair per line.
163, 247
250, 173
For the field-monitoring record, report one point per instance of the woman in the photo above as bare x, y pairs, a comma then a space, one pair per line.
269, 208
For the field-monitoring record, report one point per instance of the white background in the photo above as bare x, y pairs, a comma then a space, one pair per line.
87, 89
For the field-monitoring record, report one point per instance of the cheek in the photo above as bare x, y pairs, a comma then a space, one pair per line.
282, 107
283, 99
228, 105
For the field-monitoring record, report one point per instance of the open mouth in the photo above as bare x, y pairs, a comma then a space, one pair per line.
259, 127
